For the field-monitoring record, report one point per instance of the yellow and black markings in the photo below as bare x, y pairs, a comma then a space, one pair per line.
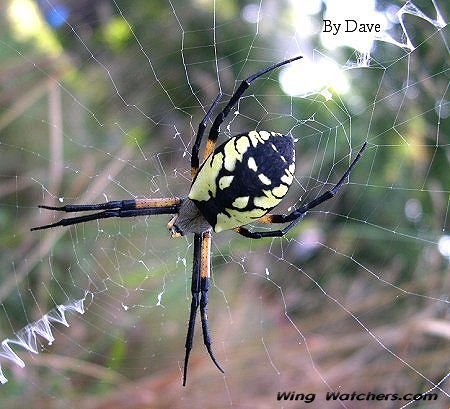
244, 178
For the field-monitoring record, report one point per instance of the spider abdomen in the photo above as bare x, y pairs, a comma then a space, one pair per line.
244, 178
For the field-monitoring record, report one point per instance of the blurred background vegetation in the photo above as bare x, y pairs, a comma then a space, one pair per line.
107, 108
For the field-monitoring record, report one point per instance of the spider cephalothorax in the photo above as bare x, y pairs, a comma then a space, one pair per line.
238, 183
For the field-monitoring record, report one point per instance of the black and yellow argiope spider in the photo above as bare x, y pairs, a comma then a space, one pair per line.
239, 182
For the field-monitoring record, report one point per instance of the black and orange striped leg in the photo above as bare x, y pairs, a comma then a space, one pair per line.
116, 208
195, 159
298, 214
273, 233
218, 120
199, 289
214, 132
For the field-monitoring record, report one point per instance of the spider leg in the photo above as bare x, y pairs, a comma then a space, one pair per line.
298, 214
214, 132
195, 290
117, 208
195, 161
205, 271
199, 290
273, 233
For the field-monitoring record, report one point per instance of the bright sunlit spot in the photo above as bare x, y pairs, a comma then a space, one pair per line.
309, 77
302, 12
444, 246
28, 25
251, 13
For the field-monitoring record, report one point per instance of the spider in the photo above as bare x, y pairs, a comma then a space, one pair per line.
238, 183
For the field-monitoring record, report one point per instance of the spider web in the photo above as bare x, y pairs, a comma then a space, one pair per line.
105, 106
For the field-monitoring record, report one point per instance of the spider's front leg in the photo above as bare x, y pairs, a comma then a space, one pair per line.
200, 284
218, 120
115, 208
